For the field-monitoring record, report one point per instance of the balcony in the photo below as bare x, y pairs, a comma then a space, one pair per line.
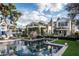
62, 28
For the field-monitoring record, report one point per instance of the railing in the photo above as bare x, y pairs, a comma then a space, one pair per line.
64, 27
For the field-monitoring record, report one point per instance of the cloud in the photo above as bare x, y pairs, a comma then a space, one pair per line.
39, 15
54, 7
63, 14
33, 16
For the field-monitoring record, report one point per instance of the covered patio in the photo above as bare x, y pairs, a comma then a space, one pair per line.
40, 29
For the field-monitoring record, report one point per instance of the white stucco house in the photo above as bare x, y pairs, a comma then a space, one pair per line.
76, 28
51, 27
63, 27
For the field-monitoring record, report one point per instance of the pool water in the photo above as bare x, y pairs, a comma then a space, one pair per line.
20, 49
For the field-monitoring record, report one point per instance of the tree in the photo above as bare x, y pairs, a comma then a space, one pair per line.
4, 11
9, 11
73, 11
14, 17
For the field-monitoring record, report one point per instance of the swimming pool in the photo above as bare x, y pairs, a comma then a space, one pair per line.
19, 48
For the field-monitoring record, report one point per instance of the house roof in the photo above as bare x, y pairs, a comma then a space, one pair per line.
36, 24
63, 19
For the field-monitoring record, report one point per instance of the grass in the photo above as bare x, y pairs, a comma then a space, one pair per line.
73, 47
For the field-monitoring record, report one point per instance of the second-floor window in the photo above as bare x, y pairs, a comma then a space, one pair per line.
78, 27
62, 23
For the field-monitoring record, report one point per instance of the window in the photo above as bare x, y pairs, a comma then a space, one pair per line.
62, 23
78, 27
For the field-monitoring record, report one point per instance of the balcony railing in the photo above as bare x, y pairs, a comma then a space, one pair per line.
64, 27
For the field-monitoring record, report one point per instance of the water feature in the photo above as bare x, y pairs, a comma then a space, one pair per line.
19, 48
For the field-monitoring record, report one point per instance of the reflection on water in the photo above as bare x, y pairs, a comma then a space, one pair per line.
19, 48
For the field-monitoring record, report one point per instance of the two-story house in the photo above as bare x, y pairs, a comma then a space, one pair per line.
62, 27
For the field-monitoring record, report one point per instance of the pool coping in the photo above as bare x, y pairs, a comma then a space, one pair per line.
61, 51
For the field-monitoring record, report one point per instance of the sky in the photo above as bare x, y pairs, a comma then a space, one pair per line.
35, 12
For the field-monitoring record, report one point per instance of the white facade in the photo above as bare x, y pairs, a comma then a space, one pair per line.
51, 27
76, 28
62, 27
41, 28
49, 30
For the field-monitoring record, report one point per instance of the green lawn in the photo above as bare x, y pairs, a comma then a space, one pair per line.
73, 47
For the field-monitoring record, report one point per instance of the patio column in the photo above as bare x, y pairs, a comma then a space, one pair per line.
39, 30
27, 30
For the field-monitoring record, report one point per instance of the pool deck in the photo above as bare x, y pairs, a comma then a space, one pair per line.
61, 51
28, 40
9, 40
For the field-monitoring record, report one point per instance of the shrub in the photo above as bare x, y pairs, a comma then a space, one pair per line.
76, 33
1, 38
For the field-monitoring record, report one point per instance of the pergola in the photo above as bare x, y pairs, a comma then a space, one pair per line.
36, 25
